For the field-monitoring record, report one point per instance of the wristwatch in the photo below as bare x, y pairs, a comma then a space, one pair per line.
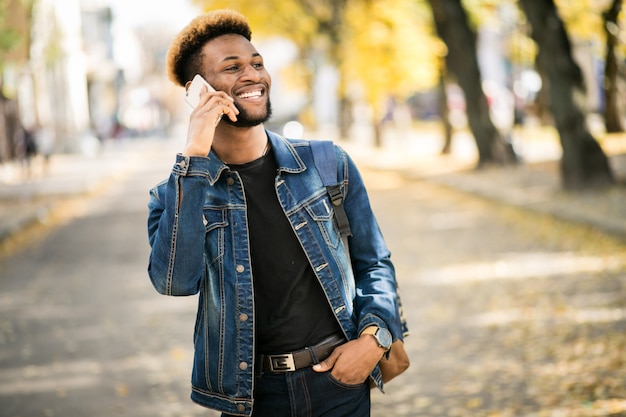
382, 336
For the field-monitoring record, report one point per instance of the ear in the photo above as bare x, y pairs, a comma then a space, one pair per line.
187, 84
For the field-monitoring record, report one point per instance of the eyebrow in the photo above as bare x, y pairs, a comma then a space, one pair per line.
235, 57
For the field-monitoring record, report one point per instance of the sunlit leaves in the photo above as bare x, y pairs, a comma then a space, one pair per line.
13, 21
285, 18
385, 47
582, 19
390, 48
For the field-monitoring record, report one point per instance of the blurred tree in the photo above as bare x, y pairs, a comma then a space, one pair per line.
444, 110
14, 32
596, 24
583, 164
9, 36
452, 26
388, 54
382, 48
14, 51
612, 113
311, 24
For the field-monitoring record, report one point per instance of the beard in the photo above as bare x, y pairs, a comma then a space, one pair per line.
245, 119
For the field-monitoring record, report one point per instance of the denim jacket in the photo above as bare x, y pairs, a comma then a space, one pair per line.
198, 234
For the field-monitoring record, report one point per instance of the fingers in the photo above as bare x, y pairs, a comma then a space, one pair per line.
204, 120
351, 362
219, 108
231, 111
327, 364
218, 103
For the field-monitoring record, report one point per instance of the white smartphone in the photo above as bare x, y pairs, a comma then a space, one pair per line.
192, 96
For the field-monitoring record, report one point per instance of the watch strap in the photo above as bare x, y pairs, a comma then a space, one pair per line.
370, 330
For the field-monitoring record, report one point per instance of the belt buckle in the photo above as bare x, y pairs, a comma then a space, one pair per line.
282, 363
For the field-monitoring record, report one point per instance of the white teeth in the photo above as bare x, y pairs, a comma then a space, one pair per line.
251, 94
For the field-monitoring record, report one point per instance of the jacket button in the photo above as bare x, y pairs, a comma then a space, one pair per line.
241, 408
240, 268
243, 366
243, 317
230, 181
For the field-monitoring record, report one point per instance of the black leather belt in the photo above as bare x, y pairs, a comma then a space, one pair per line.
288, 362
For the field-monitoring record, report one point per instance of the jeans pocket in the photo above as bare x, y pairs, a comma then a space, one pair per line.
337, 382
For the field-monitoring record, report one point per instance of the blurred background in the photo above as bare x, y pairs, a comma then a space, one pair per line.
77, 73
490, 134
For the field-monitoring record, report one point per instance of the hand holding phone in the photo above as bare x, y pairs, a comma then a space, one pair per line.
192, 96
201, 130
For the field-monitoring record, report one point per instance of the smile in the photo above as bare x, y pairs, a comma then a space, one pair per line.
251, 94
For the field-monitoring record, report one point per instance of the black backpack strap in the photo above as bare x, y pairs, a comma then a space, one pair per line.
326, 163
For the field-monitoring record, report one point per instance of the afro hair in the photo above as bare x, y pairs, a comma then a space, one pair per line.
182, 55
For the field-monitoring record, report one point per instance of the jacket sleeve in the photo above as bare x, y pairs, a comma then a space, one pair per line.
176, 230
376, 301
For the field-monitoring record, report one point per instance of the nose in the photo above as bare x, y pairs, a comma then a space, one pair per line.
252, 73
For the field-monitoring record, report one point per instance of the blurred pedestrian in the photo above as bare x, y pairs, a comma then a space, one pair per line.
26, 148
287, 324
45, 143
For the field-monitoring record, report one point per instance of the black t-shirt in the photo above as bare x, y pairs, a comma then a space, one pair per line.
291, 309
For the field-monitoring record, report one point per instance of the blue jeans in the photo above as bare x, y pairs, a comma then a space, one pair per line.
306, 393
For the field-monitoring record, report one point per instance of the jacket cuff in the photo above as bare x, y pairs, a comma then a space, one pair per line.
371, 320
191, 165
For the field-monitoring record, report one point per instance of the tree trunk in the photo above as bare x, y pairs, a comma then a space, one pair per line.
452, 27
444, 113
612, 115
329, 15
344, 119
584, 164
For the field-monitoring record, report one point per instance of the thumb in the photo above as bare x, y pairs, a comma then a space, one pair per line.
325, 365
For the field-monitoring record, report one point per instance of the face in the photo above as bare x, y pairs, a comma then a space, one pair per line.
233, 65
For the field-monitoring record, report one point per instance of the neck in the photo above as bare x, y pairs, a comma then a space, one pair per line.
235, 145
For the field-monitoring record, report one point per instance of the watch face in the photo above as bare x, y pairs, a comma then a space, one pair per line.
384, 338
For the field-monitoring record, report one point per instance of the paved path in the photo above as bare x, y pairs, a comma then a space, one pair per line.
82, 332
511, 314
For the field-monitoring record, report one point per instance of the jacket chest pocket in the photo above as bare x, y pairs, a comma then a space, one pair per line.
321, 211
215, 222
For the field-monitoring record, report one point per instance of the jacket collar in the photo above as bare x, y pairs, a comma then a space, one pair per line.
286, 156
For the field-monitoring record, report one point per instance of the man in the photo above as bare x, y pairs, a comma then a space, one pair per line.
284, 325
